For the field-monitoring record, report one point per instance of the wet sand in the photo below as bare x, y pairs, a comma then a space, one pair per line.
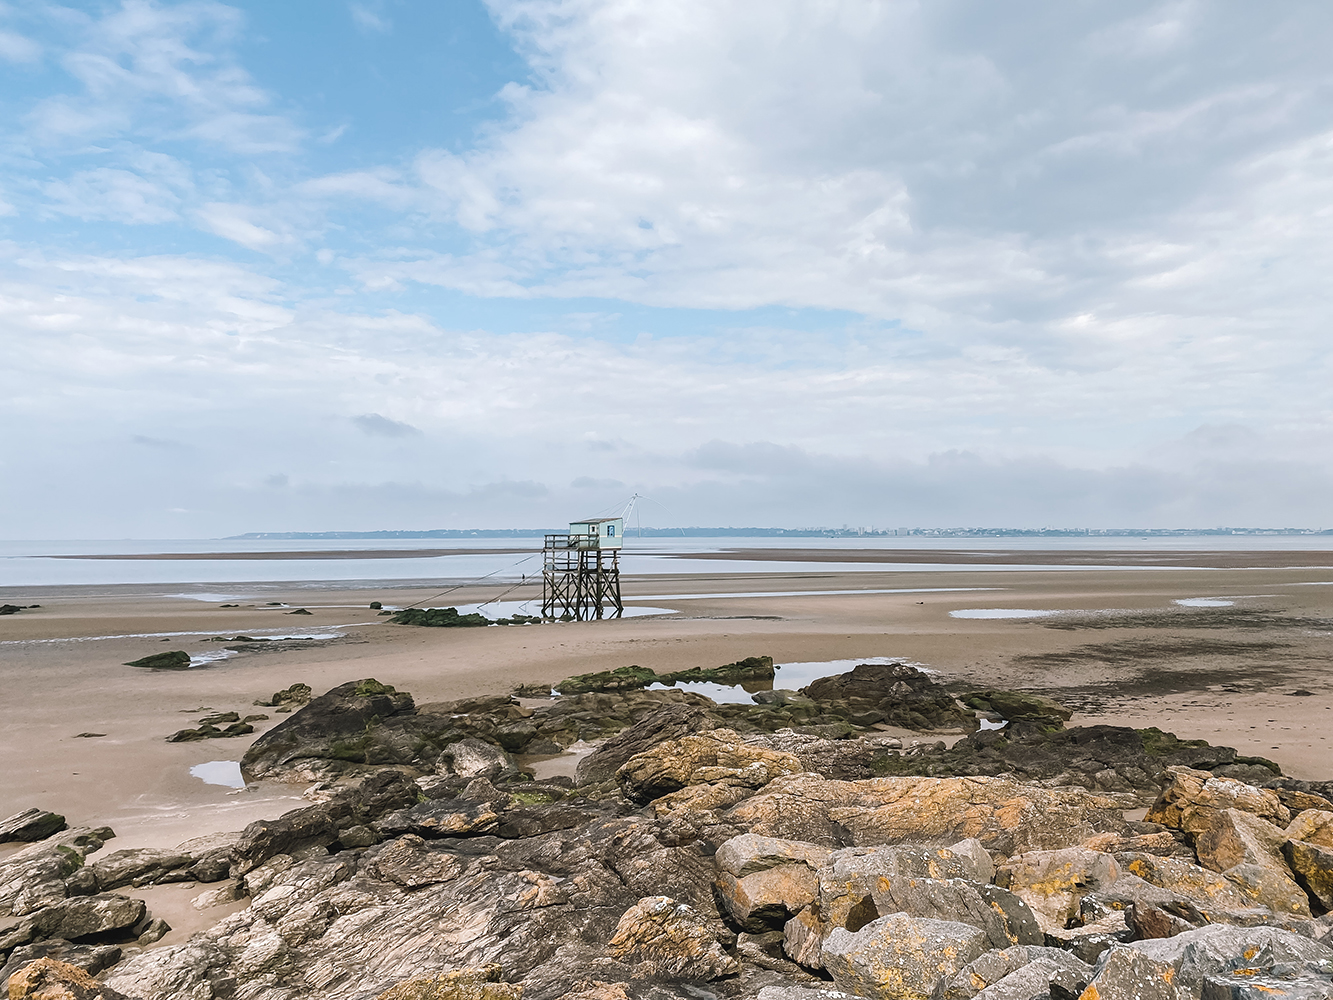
1226, 675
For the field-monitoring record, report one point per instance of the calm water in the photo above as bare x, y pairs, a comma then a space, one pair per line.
35, 564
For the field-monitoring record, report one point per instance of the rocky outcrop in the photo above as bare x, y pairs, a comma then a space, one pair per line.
1190, 799
716, 756
49, 979
1005, 816
895, 693
899, 957
439, 618
752, 669
669, 722
667, 940
173, 659
30, 825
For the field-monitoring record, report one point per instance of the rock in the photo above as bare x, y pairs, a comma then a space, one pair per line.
49, 979
174, 659
1005, 816
1018, 706
1312, 864
1248, 986
1053, 883
346, 724
1190, 799
1248, 850
900, 694
297, 694
670, 940
298, 611
141, 866
1209, 892
694, 760
156, 930
30, 825
958, 900
669, 722
852, 876
1098, 758
84, 916
748, 853
898, 957
1314, 826
220, 896
1088, 940
765, 899
36, 876
441, 818
752, 668
1221, 949
411, 863
1127, 974
1040, 977
803, 939
438, 618
300, 829
91, 958
464, 984
471, 758
994, 966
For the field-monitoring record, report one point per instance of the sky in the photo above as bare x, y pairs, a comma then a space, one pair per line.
373, 264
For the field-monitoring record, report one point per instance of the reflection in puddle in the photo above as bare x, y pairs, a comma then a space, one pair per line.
220, 772
1001, 613
987, 724
723, 694
1204, 602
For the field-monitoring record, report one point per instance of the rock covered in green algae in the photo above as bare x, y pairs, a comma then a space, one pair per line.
439, 618
175, 659
752, 668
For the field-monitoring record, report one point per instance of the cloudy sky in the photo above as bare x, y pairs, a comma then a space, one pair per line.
404, 264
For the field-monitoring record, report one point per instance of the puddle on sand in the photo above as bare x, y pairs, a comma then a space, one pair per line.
220, 772
1204, 602
786, 676
1001, 613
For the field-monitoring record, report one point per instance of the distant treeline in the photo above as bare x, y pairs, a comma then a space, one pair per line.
697, 532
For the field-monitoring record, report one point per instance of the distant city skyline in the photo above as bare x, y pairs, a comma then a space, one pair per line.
499, 263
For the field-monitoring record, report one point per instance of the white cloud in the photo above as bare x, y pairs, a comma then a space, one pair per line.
369, 17
17, 48
115, 195
232, 222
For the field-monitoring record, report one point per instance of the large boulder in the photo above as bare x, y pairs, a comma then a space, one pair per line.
141, 866
1127, 974
29, 825
50, 979
1248, 850
853, 875
1312, 864
1313, 826
668, 940
700, 759
343, 725
1190, 799
898, 957
1053, 883
670, 722
895, 693
1219, 950
1005, 816
1021, 707
86, 916
995, 966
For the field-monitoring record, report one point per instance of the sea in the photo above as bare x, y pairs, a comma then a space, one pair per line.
38, 565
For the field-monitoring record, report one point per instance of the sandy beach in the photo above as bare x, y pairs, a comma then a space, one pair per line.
1120, 651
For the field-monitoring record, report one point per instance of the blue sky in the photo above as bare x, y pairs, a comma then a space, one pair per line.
318, 265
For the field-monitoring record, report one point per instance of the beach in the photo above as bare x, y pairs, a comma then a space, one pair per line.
1114, 645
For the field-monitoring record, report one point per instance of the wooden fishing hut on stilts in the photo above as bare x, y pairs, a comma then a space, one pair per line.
581, 571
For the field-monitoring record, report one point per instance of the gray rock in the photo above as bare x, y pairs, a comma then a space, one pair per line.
1250, 987
750, 853
472, 758
801, 992
30, 825
156, 930
35, 876
1129, 974
291, 832
441, 818
411, 862
961, 901
1219, 949
899, 956
669, 722
84, 916
140, 866
1035, 979
994, 966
